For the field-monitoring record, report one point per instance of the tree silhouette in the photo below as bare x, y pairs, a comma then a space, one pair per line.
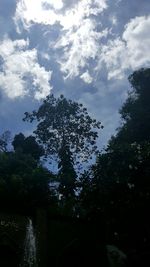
67, 131
27, 145
120, 184
4, 140
66, 174
62, 120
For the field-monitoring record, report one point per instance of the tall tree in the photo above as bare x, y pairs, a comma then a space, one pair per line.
135, 112
132, 143
23, 182
123, 170
65, 127
62, 120
66, 172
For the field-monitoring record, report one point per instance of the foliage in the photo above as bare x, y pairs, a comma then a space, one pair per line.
135, 112
4, 140
66, 174
67, 131
23, 182
27, 145
120, 185
62, 120
130, 148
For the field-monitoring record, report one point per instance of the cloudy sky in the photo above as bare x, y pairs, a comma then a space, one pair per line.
84, 49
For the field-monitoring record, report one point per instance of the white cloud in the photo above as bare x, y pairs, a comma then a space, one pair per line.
48, 12
45, 55
137, 38
129, 52
79, 46
86, 77
29, 12
114, 55
79, 37
19, 65
56, 4
113, 20
82, 10
12, 85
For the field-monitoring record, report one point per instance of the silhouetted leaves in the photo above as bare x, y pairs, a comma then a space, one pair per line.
120, 184
60, 119
28, 146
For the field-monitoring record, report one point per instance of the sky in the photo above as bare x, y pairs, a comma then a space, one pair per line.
84, 49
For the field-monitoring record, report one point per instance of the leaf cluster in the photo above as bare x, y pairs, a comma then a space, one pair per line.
60, 119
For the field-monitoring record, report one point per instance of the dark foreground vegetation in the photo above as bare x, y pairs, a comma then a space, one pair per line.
111, 200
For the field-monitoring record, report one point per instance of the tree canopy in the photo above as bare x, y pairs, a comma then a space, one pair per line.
4, 140
135, 112
120, 184
27, 145
115, 188
65, 129
62, 121
24, 182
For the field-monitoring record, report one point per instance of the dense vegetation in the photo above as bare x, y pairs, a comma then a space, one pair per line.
116, 188
24, 182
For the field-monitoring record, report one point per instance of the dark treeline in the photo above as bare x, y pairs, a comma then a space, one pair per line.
24, 182
116, 189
